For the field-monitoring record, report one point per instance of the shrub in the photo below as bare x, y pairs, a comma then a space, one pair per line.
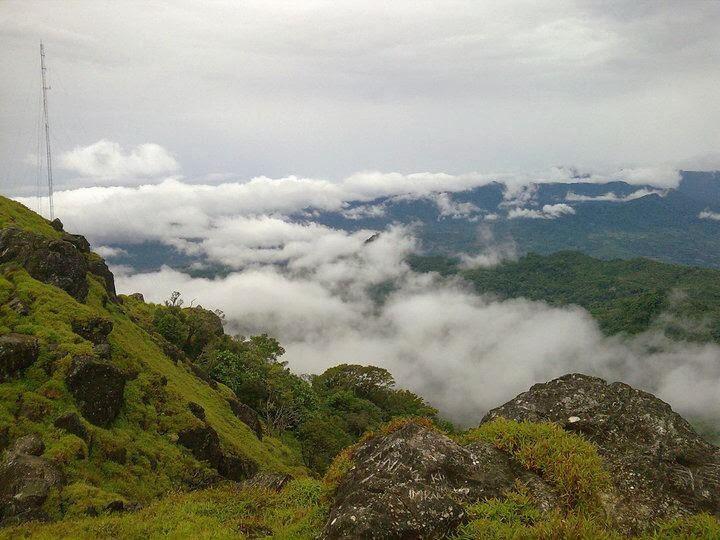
568, 461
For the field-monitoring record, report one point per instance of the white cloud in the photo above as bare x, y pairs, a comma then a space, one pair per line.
613, 197
109, 252
106, 160
707, 214
548, 211
463, 352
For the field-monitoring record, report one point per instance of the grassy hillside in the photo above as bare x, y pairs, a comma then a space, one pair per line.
137, 458
625, 296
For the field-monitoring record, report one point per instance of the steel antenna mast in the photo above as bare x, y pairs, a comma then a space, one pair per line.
45, 88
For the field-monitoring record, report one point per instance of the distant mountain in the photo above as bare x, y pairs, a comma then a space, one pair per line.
607, 220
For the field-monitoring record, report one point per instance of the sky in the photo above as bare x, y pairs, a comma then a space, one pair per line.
235, 90
205, 125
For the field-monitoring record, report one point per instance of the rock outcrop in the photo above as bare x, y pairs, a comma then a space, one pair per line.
96, 329
660, 467
71, 423
17, 352
52, 261
26, 480
204, 443
414, 483
247, 415
62, 262
98, 388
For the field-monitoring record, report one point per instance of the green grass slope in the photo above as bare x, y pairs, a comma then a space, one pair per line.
137, 458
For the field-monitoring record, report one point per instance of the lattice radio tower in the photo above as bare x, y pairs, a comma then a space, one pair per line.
46, 121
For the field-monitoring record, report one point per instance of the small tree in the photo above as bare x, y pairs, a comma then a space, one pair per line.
174, 300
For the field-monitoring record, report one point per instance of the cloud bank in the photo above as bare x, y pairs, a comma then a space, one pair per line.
106, 160
463, 352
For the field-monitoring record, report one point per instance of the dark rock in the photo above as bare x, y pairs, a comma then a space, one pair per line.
99, 268
32, 445
414, 482
71, 423
57, 224
197, 410
247, 415
98, 388
171, 351
52, 261
77, 240
660, 467
96, 329
17, 352
236, 468
25, 482
115, 506
269, 481
204, 444
19, 307
137, 296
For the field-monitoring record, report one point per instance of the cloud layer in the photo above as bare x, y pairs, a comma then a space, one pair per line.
106, 160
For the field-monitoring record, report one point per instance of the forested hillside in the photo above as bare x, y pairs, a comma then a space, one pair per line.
625, 296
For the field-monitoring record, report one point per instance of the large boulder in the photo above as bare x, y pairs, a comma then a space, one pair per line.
17, 352
660, 467
71, 423
98, 267
247, 415
53, 261
203, 442
414, 482
98, 388
95, 329
25, 481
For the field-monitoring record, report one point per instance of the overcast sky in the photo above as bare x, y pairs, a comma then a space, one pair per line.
233, 90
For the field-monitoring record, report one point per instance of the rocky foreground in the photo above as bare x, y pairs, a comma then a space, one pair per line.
417, 482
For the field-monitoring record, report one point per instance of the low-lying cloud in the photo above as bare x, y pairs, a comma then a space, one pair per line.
465, 353
548, 211
613, 197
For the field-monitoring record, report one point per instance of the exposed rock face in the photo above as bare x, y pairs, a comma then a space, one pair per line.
71, 423
98, 267
236, 468
32, 445
98, 388
204, 443
77, 240
17, 351
247, 415
25, 481
56, 262
413, 484
96, 330
659, 465
61, 262
196, 410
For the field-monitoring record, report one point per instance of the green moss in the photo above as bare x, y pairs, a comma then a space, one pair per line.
14, 214
568, 461
700, 527
227, 511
